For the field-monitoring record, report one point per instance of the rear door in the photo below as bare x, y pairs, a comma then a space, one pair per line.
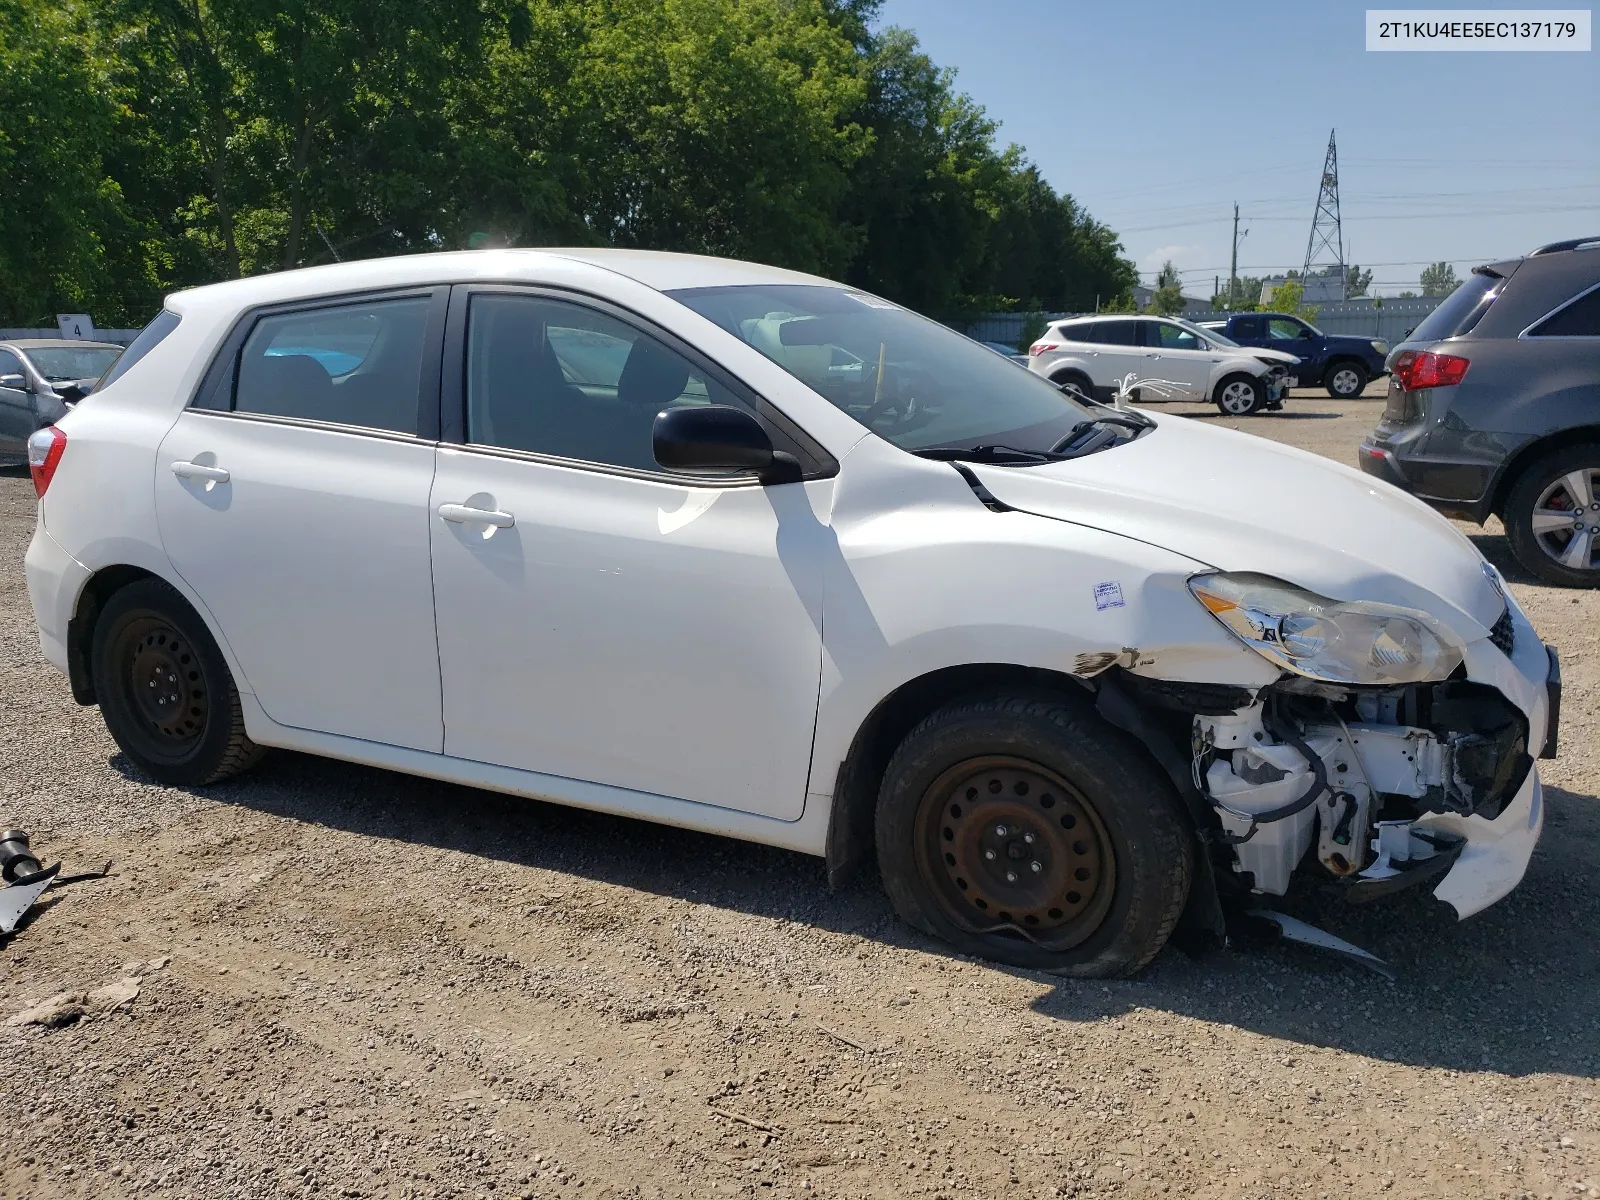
1249, 331
293, 497
1117, 344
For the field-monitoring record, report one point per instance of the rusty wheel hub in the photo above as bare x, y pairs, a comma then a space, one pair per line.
1010, 846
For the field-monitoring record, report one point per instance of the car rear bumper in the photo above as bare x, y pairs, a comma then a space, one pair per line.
55, 579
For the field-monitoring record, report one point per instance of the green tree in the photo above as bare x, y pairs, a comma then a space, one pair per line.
1407, 296
1439, 279
1356, 281
1287, 297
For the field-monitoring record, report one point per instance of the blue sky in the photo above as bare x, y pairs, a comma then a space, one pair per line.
1157, 116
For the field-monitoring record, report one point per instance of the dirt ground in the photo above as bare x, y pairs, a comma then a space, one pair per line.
352, 983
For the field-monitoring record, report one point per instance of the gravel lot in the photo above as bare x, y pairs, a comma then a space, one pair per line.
352, 983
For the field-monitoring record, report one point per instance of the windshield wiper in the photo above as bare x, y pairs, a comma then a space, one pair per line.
989, 453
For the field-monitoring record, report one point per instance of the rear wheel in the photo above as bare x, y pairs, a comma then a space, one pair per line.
1077, 381
1552, 517
165, 690
1240, 395
1346, 380
1025, 830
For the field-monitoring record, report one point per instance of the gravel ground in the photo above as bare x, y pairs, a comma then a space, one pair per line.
353, 983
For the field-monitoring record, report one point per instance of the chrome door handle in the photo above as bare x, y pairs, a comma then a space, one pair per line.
461, 514
189, 470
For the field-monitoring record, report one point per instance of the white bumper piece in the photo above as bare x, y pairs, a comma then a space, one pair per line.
1497, 852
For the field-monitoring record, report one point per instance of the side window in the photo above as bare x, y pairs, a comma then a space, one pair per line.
151, 336
1249, 327
1175, 337
552, 377
1117, 333
1580, 318
353, 364
1080, 333
10, 364
1282, 327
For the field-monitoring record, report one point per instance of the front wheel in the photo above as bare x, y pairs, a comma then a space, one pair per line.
1347, 380
165, 690
1240, 395
1026, 830
1552, 517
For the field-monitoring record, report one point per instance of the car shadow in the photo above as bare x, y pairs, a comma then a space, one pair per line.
1284, 415
1510, 990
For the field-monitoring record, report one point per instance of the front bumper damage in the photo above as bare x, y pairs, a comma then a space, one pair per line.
1375, 790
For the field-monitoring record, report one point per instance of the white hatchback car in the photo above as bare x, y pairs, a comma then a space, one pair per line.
1175, 360
747, 551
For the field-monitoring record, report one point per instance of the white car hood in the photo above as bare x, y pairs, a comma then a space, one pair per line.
1238, 502
1260, 352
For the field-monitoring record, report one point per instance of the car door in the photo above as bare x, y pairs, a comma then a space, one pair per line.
1118, 350
1249, 331
1176, 356
17, 419
292, 496
1293, 337
599, 618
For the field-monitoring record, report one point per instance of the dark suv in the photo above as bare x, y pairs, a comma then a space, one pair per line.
1342, 363
1494, 407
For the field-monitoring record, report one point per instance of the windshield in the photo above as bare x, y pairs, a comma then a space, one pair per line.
61, 363
1211, 335
904, 377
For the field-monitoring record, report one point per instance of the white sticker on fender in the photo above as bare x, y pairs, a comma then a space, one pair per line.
1108, 595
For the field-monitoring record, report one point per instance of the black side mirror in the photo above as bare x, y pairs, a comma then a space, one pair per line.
17, 383
1306, 333
706, 438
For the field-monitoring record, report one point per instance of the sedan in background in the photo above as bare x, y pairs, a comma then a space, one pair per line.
40, 379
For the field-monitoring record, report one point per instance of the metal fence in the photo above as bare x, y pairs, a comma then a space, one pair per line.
1390, 320
120, 336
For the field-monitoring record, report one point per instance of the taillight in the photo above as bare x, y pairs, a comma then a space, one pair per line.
1039, 348
1417, 369
45, 448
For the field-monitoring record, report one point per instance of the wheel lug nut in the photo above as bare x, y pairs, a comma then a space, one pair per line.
999, 831
1011, 876
989, 854
1036, 865
1028, 837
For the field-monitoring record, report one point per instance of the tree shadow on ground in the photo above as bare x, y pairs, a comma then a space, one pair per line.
1510, 990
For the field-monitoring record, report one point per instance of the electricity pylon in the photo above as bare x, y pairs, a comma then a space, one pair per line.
1326, 231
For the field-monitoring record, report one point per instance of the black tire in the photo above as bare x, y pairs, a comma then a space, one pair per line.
1347, 379
1231, 399
1076, 380
1101, 900
1541, 492
165, 690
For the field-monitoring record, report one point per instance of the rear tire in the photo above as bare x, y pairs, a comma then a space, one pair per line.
165, 690
1025, 830
1542, 517
1347, 380
1076, 380
1240, 395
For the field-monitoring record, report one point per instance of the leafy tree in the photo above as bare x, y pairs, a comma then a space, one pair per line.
1439, 279
1407, 296
1356, 281
1246, 296
1287, 297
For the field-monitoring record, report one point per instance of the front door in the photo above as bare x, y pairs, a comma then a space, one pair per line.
295, 503
17, 415
601, 619
1175, 355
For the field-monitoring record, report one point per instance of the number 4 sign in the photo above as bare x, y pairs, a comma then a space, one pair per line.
75, 325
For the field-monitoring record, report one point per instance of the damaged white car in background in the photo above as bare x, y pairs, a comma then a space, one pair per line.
746, 551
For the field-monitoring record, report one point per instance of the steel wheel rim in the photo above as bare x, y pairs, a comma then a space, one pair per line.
1566, 519
1237, 397
164, 686
981, 828
1344, 382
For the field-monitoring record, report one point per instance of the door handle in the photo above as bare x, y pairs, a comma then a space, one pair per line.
1151, 354
461, 514
190, 470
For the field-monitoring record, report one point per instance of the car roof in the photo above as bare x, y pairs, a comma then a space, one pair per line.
57, 344
656, 269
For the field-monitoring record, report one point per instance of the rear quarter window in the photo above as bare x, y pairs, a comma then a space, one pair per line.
151, 336
1461, 310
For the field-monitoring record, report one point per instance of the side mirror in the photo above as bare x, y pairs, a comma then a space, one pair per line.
1306, 333
17, 383
707, 438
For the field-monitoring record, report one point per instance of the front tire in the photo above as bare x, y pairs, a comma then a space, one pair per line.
165, 690
1025, 830
1347, 380
1552, 517
1240, 395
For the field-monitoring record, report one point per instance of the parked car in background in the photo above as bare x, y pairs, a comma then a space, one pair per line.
743, 550
40, 379
1009, 351
1092, 354
1494, 408
1341, 363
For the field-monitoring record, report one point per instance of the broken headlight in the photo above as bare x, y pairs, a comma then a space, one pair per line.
1338, 641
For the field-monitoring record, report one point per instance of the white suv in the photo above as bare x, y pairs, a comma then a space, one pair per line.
747, 551
1172, 358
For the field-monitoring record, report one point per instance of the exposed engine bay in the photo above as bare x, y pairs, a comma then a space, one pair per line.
1346, 777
